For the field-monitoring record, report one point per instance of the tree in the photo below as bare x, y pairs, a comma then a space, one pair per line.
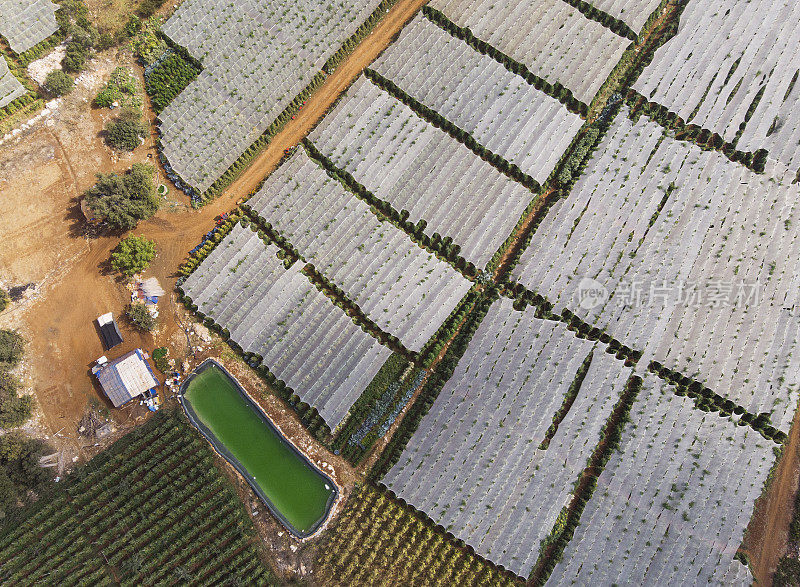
126, 131
58, 83
15, 410
5, 300
19, 457
133, 254
12, 346
123, 200
141, 316
75, 57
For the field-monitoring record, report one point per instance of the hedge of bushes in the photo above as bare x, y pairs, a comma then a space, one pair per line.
556, 90
436, 380
708, 401
552, 547
434, 118
443, 247
617, 26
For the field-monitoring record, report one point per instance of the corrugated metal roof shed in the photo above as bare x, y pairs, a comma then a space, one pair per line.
126, 378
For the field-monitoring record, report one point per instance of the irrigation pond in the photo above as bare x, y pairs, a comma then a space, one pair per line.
296, 492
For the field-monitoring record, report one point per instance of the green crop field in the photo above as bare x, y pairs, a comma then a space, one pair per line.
152, 509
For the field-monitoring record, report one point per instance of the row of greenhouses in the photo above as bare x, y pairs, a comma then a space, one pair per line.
278, 314
491, 462
25, 23
672, 505
684, 255
550, 37
257, 57
404, 289
419, 168
729, 73
498, 108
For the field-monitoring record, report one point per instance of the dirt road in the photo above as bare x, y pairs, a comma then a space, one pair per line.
46, 244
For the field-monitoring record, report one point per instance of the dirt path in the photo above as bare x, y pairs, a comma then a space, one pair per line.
768, 531
318, 104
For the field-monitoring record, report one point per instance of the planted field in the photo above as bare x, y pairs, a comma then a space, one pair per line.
257, 57
671, 506
498, 108
550, 37
495, 458
416, 167
153, 509
377, 541
729, 73
694, 255
25, 23
405, 290
277, 314
10, 86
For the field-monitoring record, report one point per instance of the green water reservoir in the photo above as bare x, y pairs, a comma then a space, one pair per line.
295, 490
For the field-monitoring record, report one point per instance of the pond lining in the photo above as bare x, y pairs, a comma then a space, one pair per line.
223, 451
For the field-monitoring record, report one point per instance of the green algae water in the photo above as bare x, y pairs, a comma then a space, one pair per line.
296, 492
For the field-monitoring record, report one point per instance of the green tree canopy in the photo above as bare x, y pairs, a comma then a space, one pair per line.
58, 83
141, 316
126, 131
12, 346
133, 254
15, 410
5, 300
124, 200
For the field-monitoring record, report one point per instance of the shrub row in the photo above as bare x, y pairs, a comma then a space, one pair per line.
569, 399
188, 266
246, 158
614, 24
436, 380
552, 547
449, 327
430, 115
168, 79
443, 247
557, 91
267, 231
708, 401
339, 297
391, 372
701, 137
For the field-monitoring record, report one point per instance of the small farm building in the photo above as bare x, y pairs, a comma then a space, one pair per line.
126, 378
109, 331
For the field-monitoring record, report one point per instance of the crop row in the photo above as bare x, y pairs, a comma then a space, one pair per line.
728, 73
405, 290
261, 62
378, 541
549, 38
169, 512
279, 319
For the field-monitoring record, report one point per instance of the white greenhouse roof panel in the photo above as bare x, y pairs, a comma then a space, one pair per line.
475, 464
672, 504
695, 259
26, 23
303, 337
10, 87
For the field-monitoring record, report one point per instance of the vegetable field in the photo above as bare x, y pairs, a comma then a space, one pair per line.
257, 57
427, 176
279, 316
377, 541
479, 95
26, 23
671, 506
695, 256
407, 291
733, 70
494, 459
153, 509
551, 38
